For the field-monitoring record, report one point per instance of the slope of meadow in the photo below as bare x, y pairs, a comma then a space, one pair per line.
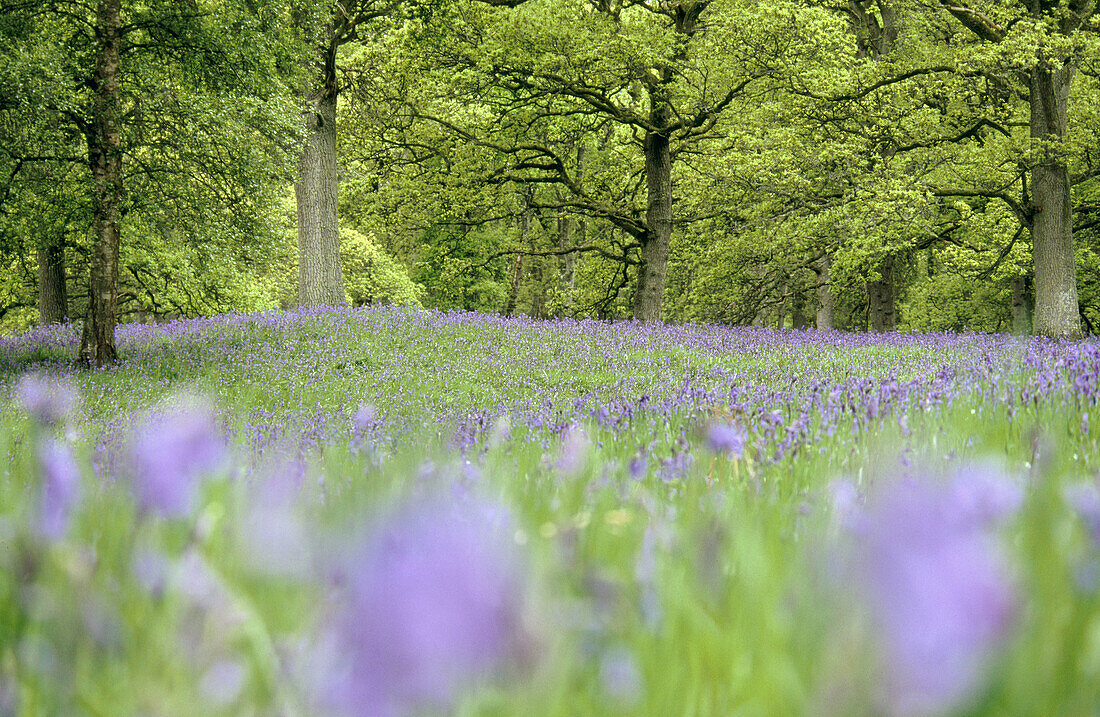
380, 511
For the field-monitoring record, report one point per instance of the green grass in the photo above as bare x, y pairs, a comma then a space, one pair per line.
723, 589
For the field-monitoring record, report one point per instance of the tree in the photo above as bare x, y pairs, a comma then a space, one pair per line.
320, 281
122, 68
1031, 50
532, 80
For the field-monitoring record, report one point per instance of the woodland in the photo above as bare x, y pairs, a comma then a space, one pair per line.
864, 165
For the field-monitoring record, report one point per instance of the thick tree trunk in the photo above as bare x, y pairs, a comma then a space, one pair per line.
320, 278
1056, 307
53, 300
881, 310
97, 342
799, 319
1021, 305
653, 267
825, 301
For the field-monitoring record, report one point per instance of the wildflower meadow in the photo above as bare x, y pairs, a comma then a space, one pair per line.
389, 511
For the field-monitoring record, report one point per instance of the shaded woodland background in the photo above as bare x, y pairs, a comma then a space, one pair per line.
864, 165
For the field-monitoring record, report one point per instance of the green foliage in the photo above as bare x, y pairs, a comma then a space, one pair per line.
372, 276
458, 119
949, 302
210, 123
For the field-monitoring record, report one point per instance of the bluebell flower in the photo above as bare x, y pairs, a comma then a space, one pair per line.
724, 438
49, 401
938, 588
60, 488
433, 602
170, 454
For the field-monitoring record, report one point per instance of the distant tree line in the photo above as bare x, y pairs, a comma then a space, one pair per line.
857, 164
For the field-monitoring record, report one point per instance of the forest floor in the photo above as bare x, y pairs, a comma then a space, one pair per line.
387, 511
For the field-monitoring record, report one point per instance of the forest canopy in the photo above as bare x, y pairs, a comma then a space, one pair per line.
862, 165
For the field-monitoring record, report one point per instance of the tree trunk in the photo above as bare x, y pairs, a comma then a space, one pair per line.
825, 301
53, 300
1021, 305
568, 266
320, 278
566, 240
517, 269
653, 267
880, 298
97, 342
799, 320
1056, 308
781, 307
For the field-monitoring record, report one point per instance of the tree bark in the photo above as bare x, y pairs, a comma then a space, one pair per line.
1056, 307
97, 342
653, 267
566, 240
781, 307
517, 269
825, 301
799, 320
881, 309
320, 278
1021, 305
53, 300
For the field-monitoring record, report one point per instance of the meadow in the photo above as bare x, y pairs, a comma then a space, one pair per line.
382, 511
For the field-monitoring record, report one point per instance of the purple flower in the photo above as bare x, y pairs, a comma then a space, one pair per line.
223, 682
723, 438
621, 678
60, 488
48, 401
574, 450
983, 493
366, 418
1085, 500
170, 454
847, 504
433, 601
938, 591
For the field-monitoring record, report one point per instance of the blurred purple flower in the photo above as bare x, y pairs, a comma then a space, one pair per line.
724, 438
621, 678
366, 418
152, 570
223, 682
60, 488
170, 453
272, 532
938, 590
847, 503
48, 401
1084, 498
433, 602
574, 450
983, 493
